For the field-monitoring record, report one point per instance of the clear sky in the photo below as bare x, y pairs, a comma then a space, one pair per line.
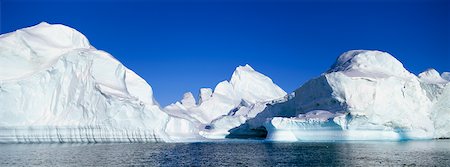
180, 46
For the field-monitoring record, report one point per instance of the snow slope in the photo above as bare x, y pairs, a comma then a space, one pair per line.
56, 87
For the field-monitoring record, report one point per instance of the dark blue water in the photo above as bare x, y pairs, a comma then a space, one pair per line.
410, 153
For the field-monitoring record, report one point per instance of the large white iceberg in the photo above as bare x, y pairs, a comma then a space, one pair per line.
56, 87
366, 95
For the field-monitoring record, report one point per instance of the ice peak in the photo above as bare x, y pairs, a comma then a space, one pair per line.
431, 72
45, 24
375, 63
253, 86
431, 76
41, 24
243, 71
188, 100
246, 67
55, 35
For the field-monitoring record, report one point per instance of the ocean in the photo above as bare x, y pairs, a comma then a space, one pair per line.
230, 153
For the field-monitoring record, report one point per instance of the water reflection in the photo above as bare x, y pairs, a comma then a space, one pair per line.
421, 153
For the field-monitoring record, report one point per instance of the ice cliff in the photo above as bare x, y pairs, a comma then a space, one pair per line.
56, 87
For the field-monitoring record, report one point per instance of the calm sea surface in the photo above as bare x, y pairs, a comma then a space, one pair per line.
233, 153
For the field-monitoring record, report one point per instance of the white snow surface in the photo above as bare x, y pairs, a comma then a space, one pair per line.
56, 87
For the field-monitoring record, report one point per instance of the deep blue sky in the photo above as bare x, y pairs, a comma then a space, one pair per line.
180, 46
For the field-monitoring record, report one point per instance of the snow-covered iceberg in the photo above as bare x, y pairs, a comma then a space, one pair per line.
56, 87
228, 106
366, 95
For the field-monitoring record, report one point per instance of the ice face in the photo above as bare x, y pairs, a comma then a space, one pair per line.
55, 87
437, 90
204, 95
441, 113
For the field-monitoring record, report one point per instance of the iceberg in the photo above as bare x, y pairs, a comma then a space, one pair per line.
56, 87
228, 106
365, 95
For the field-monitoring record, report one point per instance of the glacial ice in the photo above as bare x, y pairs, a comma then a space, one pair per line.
56, 87
372, 96
229, 105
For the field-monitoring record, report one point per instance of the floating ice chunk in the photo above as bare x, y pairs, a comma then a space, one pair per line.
55, 87
380, 98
